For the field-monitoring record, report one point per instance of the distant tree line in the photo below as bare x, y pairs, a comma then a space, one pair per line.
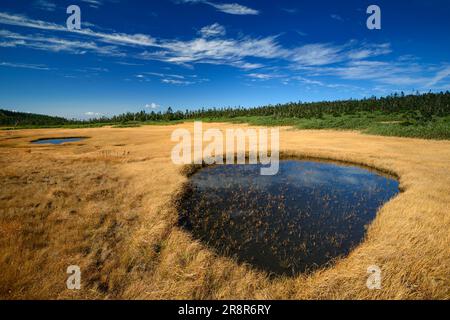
12, 118
417, 107
420, 106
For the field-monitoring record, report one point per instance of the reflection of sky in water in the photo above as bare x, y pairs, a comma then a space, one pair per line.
301, 218
300, 173
57, 141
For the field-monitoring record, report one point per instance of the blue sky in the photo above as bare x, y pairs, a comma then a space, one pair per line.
134, 55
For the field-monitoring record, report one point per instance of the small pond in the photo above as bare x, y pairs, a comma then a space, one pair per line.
297, 221
56, 140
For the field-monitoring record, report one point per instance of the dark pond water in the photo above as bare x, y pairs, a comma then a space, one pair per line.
296, 221
56, 141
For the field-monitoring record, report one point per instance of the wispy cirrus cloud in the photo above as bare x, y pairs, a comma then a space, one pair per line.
24, 66
93, 3
212, 47
114, 37
290, 10
234, 8
98, 3
336, 17
349, 61
212, 30
269, 75
45, 5
369, 51
216, 51
175, 79
230, 8
396, 73
54, 44
319, 54
439, 76
261, 76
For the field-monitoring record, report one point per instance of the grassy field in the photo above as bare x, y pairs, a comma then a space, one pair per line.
375, 123
129, 124
107, 205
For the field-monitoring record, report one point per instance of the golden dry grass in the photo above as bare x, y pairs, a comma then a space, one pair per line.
105, 204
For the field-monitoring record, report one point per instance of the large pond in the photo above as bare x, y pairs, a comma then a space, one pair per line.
296, 221
56, 140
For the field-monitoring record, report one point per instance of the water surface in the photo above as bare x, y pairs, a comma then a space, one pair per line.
296, 221
57, 140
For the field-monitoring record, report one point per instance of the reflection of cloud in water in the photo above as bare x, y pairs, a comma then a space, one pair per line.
300, 174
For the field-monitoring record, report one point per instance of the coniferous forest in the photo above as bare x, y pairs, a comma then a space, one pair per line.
420, 107
415, 115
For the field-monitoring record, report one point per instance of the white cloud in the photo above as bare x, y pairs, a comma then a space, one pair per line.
230, 8
217, 51
45, 43
234, 8
115, 38
177, 82
248, 65
93, 114
24, 66
174, 79
322, 83
349, 61
290, 10
325, 54
213, 30
93, 3
206, 49
386, 73
317, 54
152, 106
336, 17
45, 5
164, 75
261, 76
441, 75
371, 50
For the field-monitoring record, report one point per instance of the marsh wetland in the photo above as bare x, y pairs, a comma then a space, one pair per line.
107, 205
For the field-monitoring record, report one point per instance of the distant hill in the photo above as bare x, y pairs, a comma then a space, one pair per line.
12, 118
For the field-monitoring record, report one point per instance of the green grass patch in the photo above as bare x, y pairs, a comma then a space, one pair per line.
376, 123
